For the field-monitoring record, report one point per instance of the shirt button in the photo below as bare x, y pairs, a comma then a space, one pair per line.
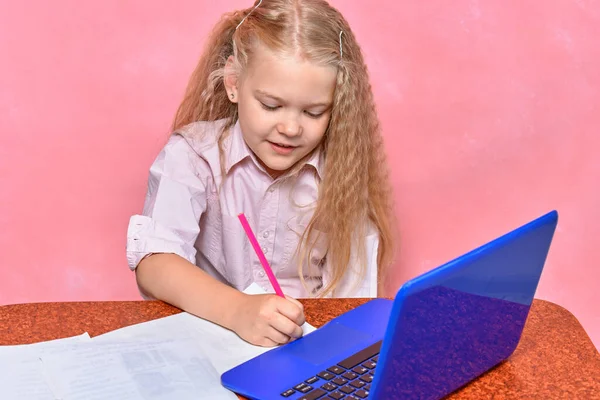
272, 189
261, 274
266, 234
264, 249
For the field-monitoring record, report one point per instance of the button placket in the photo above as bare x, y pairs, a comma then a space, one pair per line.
269, 213
265, 229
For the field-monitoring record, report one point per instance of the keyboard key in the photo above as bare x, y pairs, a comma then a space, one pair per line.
326, 375
350, 397
312, 380
349, 375
300, 386
336, 395
357, 384
288, 393
376, 358
315, 394
329, 386
369, 364
336, 370
347, 389
360, 370
361, 356
367, 388
305, 389
367, 378
363, 394
339, 381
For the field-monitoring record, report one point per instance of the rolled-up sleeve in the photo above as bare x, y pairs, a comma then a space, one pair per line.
175, 200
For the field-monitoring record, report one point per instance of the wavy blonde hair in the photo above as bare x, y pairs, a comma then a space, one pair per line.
354, 191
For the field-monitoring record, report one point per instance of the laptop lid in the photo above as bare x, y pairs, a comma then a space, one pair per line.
454, 323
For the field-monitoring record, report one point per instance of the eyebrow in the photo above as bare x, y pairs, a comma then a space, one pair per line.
280, 100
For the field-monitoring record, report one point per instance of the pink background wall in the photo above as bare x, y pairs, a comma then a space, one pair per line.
490, 112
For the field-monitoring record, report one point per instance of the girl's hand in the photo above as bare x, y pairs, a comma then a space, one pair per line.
268, 320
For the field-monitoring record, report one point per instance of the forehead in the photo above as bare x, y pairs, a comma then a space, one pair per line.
289, 77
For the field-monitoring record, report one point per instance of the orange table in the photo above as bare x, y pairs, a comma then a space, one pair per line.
555, 358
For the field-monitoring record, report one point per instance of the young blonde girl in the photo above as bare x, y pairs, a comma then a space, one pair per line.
278, 122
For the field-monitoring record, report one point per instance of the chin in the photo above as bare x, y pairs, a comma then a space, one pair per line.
280, 169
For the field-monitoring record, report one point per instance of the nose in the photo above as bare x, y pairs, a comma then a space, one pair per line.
290, 126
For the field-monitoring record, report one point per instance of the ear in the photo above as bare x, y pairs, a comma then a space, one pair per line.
230, 79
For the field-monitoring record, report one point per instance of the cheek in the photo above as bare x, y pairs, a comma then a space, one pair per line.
319, 127
248, 116
316, 137
253, 114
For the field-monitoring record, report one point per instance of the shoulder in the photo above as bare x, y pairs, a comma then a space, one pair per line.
187, 155
191, 149
201, 136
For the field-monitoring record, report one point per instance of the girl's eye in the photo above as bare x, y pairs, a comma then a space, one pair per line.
269, 108
314, 115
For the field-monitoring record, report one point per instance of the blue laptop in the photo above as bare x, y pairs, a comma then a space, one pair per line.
442, 330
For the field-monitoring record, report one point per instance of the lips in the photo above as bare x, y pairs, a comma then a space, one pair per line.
285, 146
282, 148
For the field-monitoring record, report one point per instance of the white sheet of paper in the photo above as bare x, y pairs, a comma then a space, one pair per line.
222, 347
134, 370
21, 372
23, 378
254, 288
33, 348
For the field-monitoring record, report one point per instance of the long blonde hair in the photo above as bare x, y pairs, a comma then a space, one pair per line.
355, 190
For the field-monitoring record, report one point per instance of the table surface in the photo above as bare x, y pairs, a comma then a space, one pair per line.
555, 358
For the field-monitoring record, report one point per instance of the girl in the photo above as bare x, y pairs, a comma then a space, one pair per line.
278, 122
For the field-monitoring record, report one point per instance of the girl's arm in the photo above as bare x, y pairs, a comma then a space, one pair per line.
264, 320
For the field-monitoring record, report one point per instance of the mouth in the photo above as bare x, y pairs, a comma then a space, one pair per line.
283, 145
282, 148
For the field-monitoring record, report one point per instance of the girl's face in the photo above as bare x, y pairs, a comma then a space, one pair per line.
284, 107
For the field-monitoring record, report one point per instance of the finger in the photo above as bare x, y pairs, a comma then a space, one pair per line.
292, 311
277, 336
266, 342
286, 326
296, 302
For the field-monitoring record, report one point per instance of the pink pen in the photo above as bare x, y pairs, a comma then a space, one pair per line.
260, 254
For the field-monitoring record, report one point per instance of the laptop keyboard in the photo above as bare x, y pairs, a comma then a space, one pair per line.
349, 379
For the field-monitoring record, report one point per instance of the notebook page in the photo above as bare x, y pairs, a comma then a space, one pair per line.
134, 370
21, 372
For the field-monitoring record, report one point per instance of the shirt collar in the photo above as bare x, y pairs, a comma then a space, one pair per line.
238, 149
